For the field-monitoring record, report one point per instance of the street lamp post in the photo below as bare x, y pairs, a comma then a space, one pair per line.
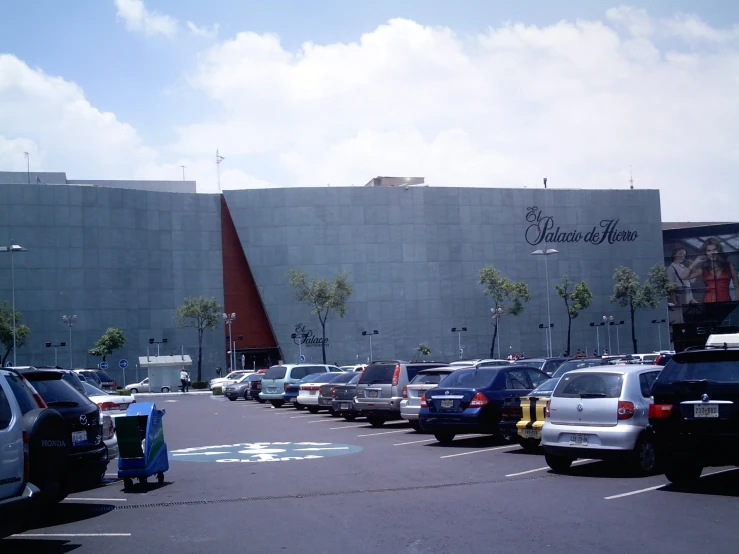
301, 338
659, 332
55, 346
497, 313
608, 319
547, 331
69, 321
546, 252
369, 334
459, 331
618, 342
152, 341
597, 335
13, 248
228, 319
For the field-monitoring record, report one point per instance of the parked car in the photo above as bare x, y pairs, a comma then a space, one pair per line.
142, 386
695, 415
242, 388
424, 380
522, 418
663, 358
112, 404
221, 381
91, 376
547, 365
310, 390
88, 456
110, 439
107, 383
275, 382
33, 453
470, 400
601, 413
326, 392
343, 398
357, 367
380, 388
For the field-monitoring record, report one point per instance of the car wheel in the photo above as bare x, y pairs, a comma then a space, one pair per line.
277, 403
683, 473
134, 391
298, 406
350, 417
645, 459
376, 421
165, 389
313, 409
48, 450
444, 438
261, 400
558, 464
333, 412
530, 445
415, 426
246, 396
231, 398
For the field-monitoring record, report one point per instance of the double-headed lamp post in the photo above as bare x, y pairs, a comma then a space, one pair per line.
659, 332
497, 313
459, 331
69, 321
12, 249
55, 346
616, 324
369, 334
608, 321
546, 252
228, 319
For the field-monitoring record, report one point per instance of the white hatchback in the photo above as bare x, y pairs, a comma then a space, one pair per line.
601, 413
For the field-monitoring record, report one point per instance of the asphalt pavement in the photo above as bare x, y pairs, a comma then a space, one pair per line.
250, 477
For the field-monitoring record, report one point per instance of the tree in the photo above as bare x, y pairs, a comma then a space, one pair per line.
422, 350
201, 313
323, 296
628, 291
575, 300
507, 296
112, 340
22, 331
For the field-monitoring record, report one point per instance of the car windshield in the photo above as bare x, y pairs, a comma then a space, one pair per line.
429, 377
93, 391
576, 364
720, 366
276, 372
312, 377
243, 378
355, 379
55, 391
546, 387
378, 374
342, 378
469, 378
234, 375
589, 385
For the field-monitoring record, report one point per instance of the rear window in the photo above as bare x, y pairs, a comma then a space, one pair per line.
545, 388
378, 374
432, 377
23, 396
469, 378
551, 366
312, 378
56, 391
413, 369
589, 385
326, 377
104, 376
6, 413
343, 378
356, 378
93, 391
73, 380
275, 372
719, 367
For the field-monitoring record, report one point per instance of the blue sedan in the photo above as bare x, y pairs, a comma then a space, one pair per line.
471, 400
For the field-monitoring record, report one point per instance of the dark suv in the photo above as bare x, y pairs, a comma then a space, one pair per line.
695, 415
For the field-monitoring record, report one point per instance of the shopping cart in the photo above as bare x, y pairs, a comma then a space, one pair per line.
142, 451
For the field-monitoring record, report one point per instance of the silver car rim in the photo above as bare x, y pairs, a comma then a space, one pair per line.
646, 455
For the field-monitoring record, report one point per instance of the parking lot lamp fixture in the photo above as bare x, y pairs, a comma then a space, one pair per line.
12, 249
369, 334
546, 252
459, 331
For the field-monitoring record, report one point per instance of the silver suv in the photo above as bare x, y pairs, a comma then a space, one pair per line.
380, 388
603, 414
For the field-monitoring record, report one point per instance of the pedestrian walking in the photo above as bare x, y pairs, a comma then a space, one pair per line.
184, 379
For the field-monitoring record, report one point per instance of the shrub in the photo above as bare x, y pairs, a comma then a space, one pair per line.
199, 385
124, 392
217, 391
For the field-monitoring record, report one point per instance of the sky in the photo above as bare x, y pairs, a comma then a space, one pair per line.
333, 92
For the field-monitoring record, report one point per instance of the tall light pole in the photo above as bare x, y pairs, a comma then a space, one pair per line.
606, 320
55, 346
28, 166
659, 332
183, 172
69, 321
546, 252
459, 331
228, 318
497, 313
618, 342
597, 335
152, 341
12, 249
369, 334
219, 159
547, 331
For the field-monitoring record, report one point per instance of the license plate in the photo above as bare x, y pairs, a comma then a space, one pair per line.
372, 394
79, 437
271, 389
259, 386
532, 434
447, 403
705, 410
313, 393
346, 406
579, 440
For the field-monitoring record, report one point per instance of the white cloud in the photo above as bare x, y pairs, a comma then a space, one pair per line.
204, 31
138, 18
691, 28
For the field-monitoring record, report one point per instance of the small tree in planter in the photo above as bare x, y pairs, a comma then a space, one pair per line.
113, 339
422, 350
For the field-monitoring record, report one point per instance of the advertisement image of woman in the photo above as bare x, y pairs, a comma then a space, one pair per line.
716, 271
679, 275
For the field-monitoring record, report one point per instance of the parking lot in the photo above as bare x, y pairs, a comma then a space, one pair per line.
248, 476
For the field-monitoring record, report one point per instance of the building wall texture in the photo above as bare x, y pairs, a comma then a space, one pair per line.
115, 258
414, 256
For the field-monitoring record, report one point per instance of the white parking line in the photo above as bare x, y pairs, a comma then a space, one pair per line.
348, 426
325, 420
478, 451
64, 535
413, 442
384, 433
306, 415
545, 468
95, 499
663, 485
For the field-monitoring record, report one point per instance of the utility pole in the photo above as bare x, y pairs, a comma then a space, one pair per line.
219, 159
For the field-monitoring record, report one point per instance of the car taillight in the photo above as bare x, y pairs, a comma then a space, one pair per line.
625, 410
108, 406
26, 458
405, 391
657, 360
286, 384
660, 411
115, 385
396, 375
34, 393
478, 400
424, 404
547, 414
333, 393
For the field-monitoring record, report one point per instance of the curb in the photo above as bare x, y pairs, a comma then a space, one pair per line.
147, 394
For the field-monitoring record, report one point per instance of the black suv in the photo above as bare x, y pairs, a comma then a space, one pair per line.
695, 415
88, 455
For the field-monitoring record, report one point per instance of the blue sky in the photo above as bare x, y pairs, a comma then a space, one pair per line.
176, 95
